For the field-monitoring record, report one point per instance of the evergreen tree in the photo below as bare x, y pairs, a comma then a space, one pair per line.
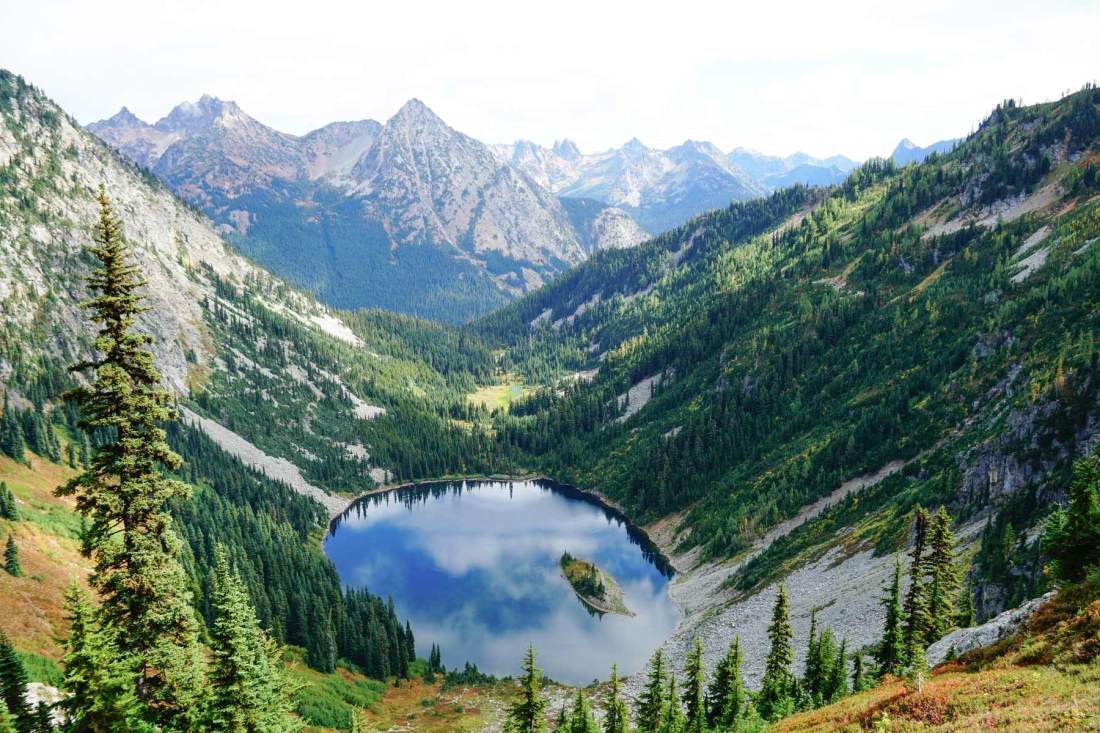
651, 704
917, 672
99, 676
964, 618
42, 720
672, 718
1071, 534
777, 690
12, 442
813, 674
8, 509
616, 718
916, 597
836, 686
13, 686
129, 535
526, 714
821, 694
891, 650
859, 676
695, 712
944, 585
248, 688
562, 722
358, 725
11, 558
7, 724
581, 720
726, 696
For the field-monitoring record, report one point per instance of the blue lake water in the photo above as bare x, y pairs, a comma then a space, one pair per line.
474, 566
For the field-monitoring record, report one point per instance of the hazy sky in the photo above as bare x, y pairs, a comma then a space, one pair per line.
824, 76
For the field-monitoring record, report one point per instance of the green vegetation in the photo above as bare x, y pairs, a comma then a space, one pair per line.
584, 576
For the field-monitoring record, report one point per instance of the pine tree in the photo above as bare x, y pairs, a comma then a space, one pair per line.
129, 535
248, 687
99, 676
859, 676
916, 597
891, 650
13, 686
776, 697
836, 686
695, 712
616, 718
42, 720
1071, 534
12, 442
526, 713
821, 694
944, 584
562, 722
672, 718
813, 674
651, 705
964, 618
581, 719
8, 508
726, 696
11, 558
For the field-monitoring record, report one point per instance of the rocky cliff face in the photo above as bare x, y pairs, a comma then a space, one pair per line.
51, 169
337, 210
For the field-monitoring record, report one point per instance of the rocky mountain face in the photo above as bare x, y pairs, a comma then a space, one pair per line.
411, 215
662, 189
223, 329
908, 151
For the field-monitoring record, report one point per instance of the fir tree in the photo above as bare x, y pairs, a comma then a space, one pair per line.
248, 687
672, 718
616, 719
129, 535
651, 705
916, 597
1071, 534
12, 442
726, 696
859, 676
526, 714
944, 585
13, 686
776, 697
821, 693
99, 676
581, 719
964, 618
695, 713
813, 673
836, 686
8, 509
562, 722
11, 558
891, 650
7, 724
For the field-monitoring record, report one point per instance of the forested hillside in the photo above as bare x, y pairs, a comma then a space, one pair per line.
939, 317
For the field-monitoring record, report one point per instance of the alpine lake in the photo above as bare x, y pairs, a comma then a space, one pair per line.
474, 565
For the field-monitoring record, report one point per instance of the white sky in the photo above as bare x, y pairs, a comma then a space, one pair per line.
825, 76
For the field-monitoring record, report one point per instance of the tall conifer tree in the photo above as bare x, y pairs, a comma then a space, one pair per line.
652, 702
916, 597
616, 718
695, 712
13, 686
526, 714
944, 583
11, 558
776, 697
123, 492
891, 650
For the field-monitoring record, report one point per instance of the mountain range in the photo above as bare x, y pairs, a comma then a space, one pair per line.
414, 216
409, 215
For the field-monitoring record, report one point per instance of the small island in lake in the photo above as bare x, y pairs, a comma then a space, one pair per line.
597, 590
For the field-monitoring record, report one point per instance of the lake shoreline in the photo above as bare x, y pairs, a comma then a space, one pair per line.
593, 496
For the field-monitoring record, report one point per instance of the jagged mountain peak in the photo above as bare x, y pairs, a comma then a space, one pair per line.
123, 117
415, 113
567, 149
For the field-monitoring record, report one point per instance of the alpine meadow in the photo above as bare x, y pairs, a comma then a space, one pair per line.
325, 423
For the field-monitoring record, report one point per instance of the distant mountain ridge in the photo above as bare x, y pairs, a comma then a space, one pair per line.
664, 188
908, 152
410, 215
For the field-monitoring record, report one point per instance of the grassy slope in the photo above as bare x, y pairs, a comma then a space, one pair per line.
1044, 679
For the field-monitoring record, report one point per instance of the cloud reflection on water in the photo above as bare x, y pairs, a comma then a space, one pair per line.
476, 571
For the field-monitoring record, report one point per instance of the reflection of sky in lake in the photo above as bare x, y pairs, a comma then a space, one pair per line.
476, 571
